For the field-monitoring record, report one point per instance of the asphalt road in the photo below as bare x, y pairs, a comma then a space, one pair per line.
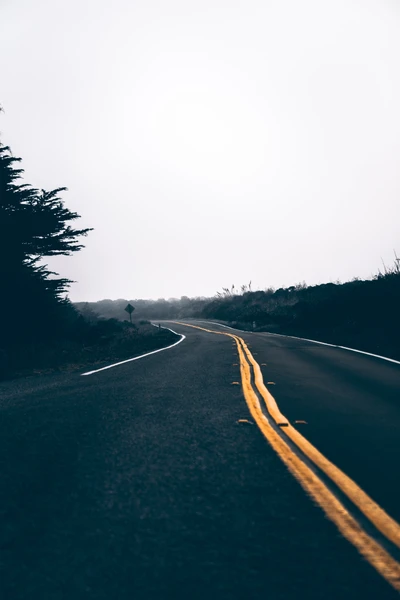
139, 482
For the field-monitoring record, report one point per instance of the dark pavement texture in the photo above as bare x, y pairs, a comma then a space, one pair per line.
137, 482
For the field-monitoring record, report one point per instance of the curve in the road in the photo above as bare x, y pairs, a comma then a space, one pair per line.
376, 555
122, 362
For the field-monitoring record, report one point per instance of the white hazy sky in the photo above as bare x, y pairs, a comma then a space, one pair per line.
210, 142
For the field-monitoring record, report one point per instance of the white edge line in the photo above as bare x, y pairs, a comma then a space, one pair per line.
392, 360
122, 362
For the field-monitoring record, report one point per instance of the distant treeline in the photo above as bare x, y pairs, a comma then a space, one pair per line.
364, 314
144, 309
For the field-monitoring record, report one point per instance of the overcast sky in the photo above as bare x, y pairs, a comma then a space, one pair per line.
210, 142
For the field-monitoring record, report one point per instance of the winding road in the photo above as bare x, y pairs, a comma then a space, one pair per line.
231, 465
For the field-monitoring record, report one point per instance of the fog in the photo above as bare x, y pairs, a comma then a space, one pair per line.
209, 143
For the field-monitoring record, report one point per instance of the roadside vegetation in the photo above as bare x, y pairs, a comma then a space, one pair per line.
363, 314
87, 345
40, 329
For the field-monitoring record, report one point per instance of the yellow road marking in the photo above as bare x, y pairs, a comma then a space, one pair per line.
382, 521
385, 564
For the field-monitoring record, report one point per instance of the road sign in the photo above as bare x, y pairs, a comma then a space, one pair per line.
129, 309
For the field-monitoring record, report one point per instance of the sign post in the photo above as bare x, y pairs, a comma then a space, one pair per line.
129, 309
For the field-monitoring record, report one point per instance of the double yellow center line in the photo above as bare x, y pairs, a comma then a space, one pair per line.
349, 527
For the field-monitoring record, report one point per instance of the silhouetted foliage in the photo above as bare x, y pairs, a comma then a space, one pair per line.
362, 314
33, 225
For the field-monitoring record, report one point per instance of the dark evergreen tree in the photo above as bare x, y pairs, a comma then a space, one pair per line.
33, 225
